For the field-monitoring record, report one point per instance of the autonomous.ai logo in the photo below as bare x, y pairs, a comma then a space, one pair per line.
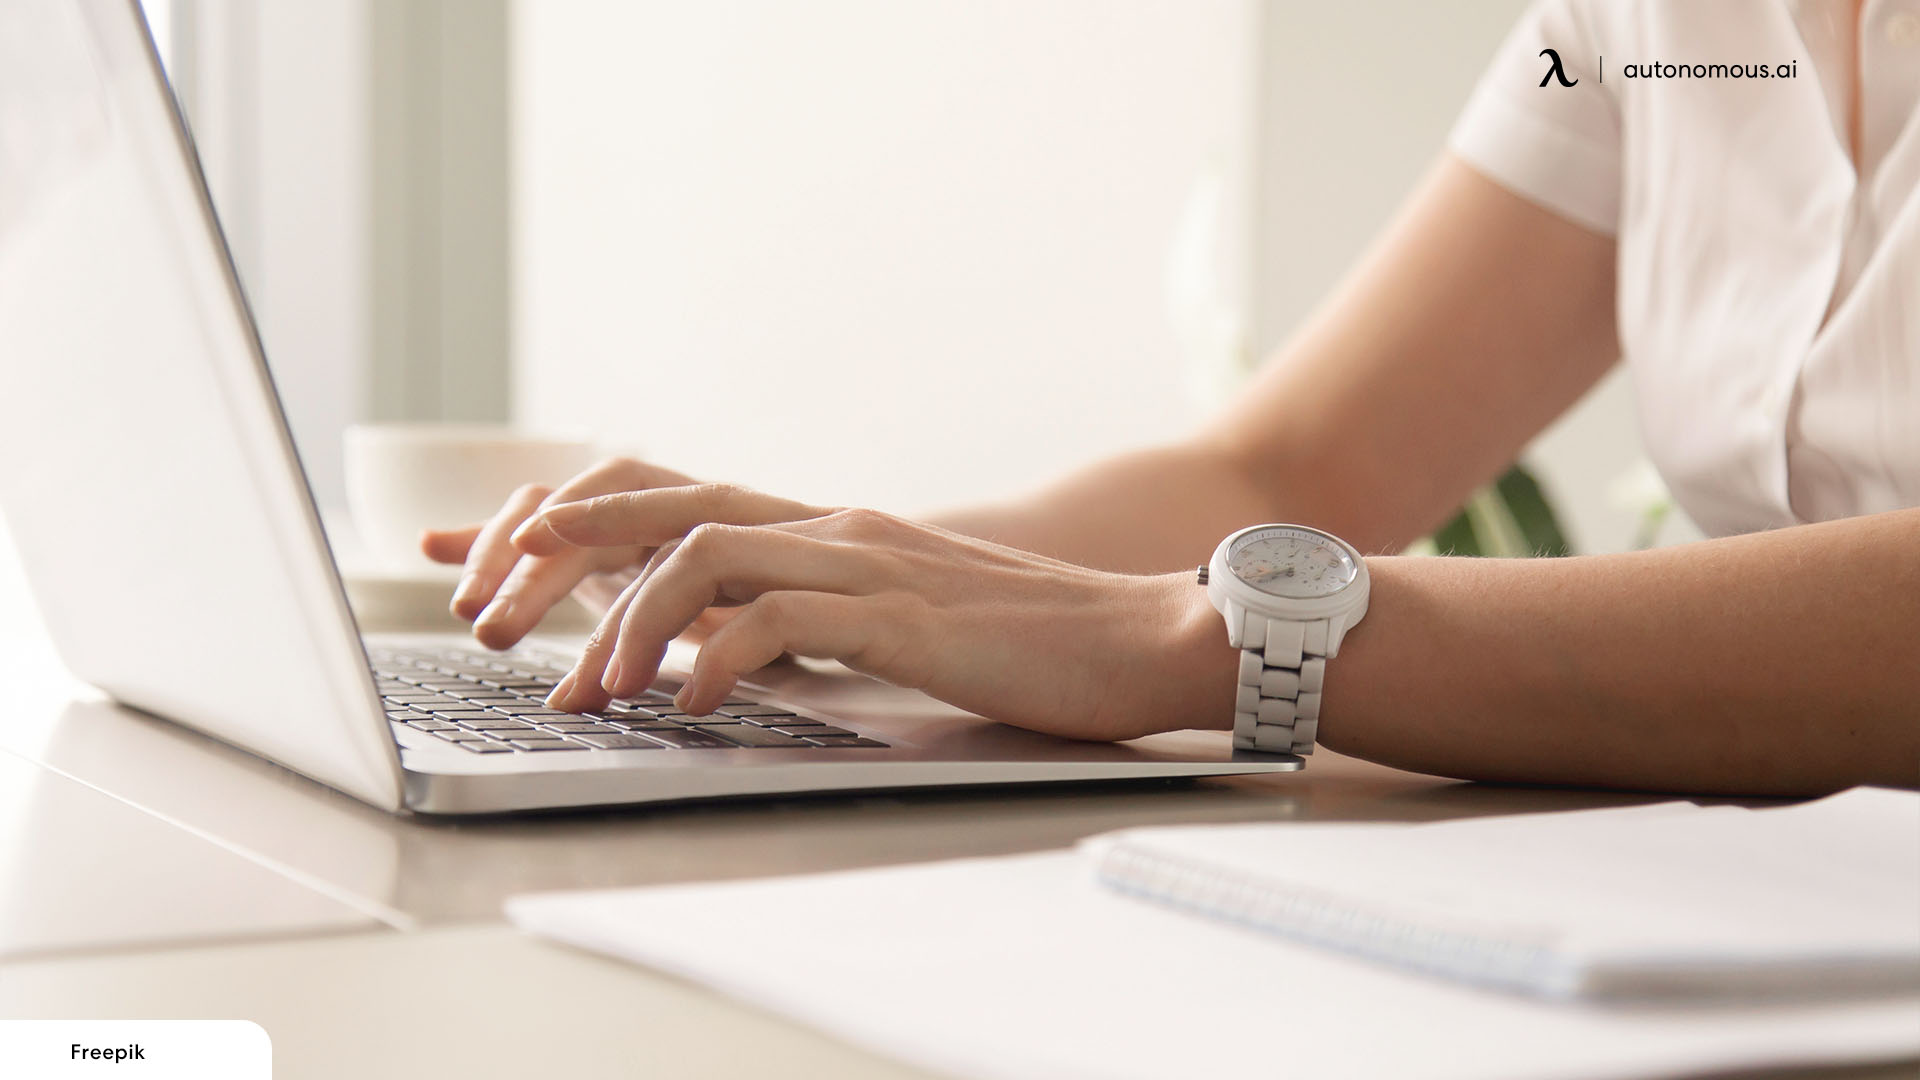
1555, 71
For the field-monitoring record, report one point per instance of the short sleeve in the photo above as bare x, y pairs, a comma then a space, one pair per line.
1555, 145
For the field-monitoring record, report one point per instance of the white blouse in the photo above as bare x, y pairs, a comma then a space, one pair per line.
1769, 295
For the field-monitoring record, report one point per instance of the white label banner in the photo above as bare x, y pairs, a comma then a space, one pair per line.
135, 1049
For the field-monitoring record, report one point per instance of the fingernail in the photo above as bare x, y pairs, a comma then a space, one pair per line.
560, 691
526, 528
462, 591
611, 683
563, 514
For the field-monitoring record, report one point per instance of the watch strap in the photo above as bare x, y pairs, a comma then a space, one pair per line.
1283, 665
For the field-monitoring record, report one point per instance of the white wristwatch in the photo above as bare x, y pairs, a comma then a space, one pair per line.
1289, 595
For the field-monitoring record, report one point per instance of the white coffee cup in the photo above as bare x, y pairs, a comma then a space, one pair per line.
405, 478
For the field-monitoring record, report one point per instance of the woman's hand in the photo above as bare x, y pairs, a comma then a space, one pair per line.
1016, 637
504, 591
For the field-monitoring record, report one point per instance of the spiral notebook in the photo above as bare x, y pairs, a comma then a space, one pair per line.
1820, 898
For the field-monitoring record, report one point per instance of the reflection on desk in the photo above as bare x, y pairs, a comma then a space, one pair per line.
80, 870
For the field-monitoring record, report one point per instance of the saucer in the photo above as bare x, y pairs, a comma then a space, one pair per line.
397, 601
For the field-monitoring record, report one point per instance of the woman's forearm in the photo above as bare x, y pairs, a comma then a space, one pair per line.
1777, 663
1146, 512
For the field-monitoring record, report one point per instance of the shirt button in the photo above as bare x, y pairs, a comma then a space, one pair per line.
1903, 28
1777, 400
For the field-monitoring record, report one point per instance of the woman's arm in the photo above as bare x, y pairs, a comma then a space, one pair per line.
1783, 663
1476, 320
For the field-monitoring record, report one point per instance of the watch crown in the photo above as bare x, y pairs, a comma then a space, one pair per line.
1203, 574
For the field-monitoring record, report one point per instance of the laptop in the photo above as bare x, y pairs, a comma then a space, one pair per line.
158, 504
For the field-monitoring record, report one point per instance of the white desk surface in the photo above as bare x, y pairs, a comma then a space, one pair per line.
478, 1002
148, 872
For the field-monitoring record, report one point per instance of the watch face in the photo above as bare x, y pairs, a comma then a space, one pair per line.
1298, 564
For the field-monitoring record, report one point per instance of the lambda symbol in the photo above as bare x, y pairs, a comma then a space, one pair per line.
1555, 71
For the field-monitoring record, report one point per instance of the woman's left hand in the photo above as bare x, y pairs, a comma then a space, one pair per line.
1003, 633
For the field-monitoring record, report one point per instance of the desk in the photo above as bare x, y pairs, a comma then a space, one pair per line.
370, 945
473, 1002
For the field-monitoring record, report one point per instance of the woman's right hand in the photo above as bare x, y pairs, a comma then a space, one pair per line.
505, 592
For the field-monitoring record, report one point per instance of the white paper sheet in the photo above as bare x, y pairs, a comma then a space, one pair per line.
1024, 967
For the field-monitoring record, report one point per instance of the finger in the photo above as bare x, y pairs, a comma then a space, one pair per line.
651, 518
729, 562
710, 621
448, 545
531, 589
492, 556
537, 583
614, 474
826, 625
581, 689
598, 590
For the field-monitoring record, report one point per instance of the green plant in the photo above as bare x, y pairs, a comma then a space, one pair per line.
1509, 518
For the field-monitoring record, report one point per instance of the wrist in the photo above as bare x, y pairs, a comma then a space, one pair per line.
1196, 667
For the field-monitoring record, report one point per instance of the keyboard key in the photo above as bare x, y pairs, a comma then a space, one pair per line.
485, 747
462, 711
748, 735
618, 741
693, 721
818, 730
480, 693
578, 727
432, 725
525, 709
408, 714
413, 699
543, 744
518, 683
857, 742
689, 739
753, 710
531, 733
456, 735
494, 723
446, 687
645, 725
783, 721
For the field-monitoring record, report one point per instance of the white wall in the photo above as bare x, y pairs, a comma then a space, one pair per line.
860, 250
906, 254
277, 99
356, 150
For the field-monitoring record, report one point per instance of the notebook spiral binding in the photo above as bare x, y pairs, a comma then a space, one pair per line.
1290, 910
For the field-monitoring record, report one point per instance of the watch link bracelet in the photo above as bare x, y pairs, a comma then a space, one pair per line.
1289, 594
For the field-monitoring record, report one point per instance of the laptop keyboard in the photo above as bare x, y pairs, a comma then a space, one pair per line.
495, 703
